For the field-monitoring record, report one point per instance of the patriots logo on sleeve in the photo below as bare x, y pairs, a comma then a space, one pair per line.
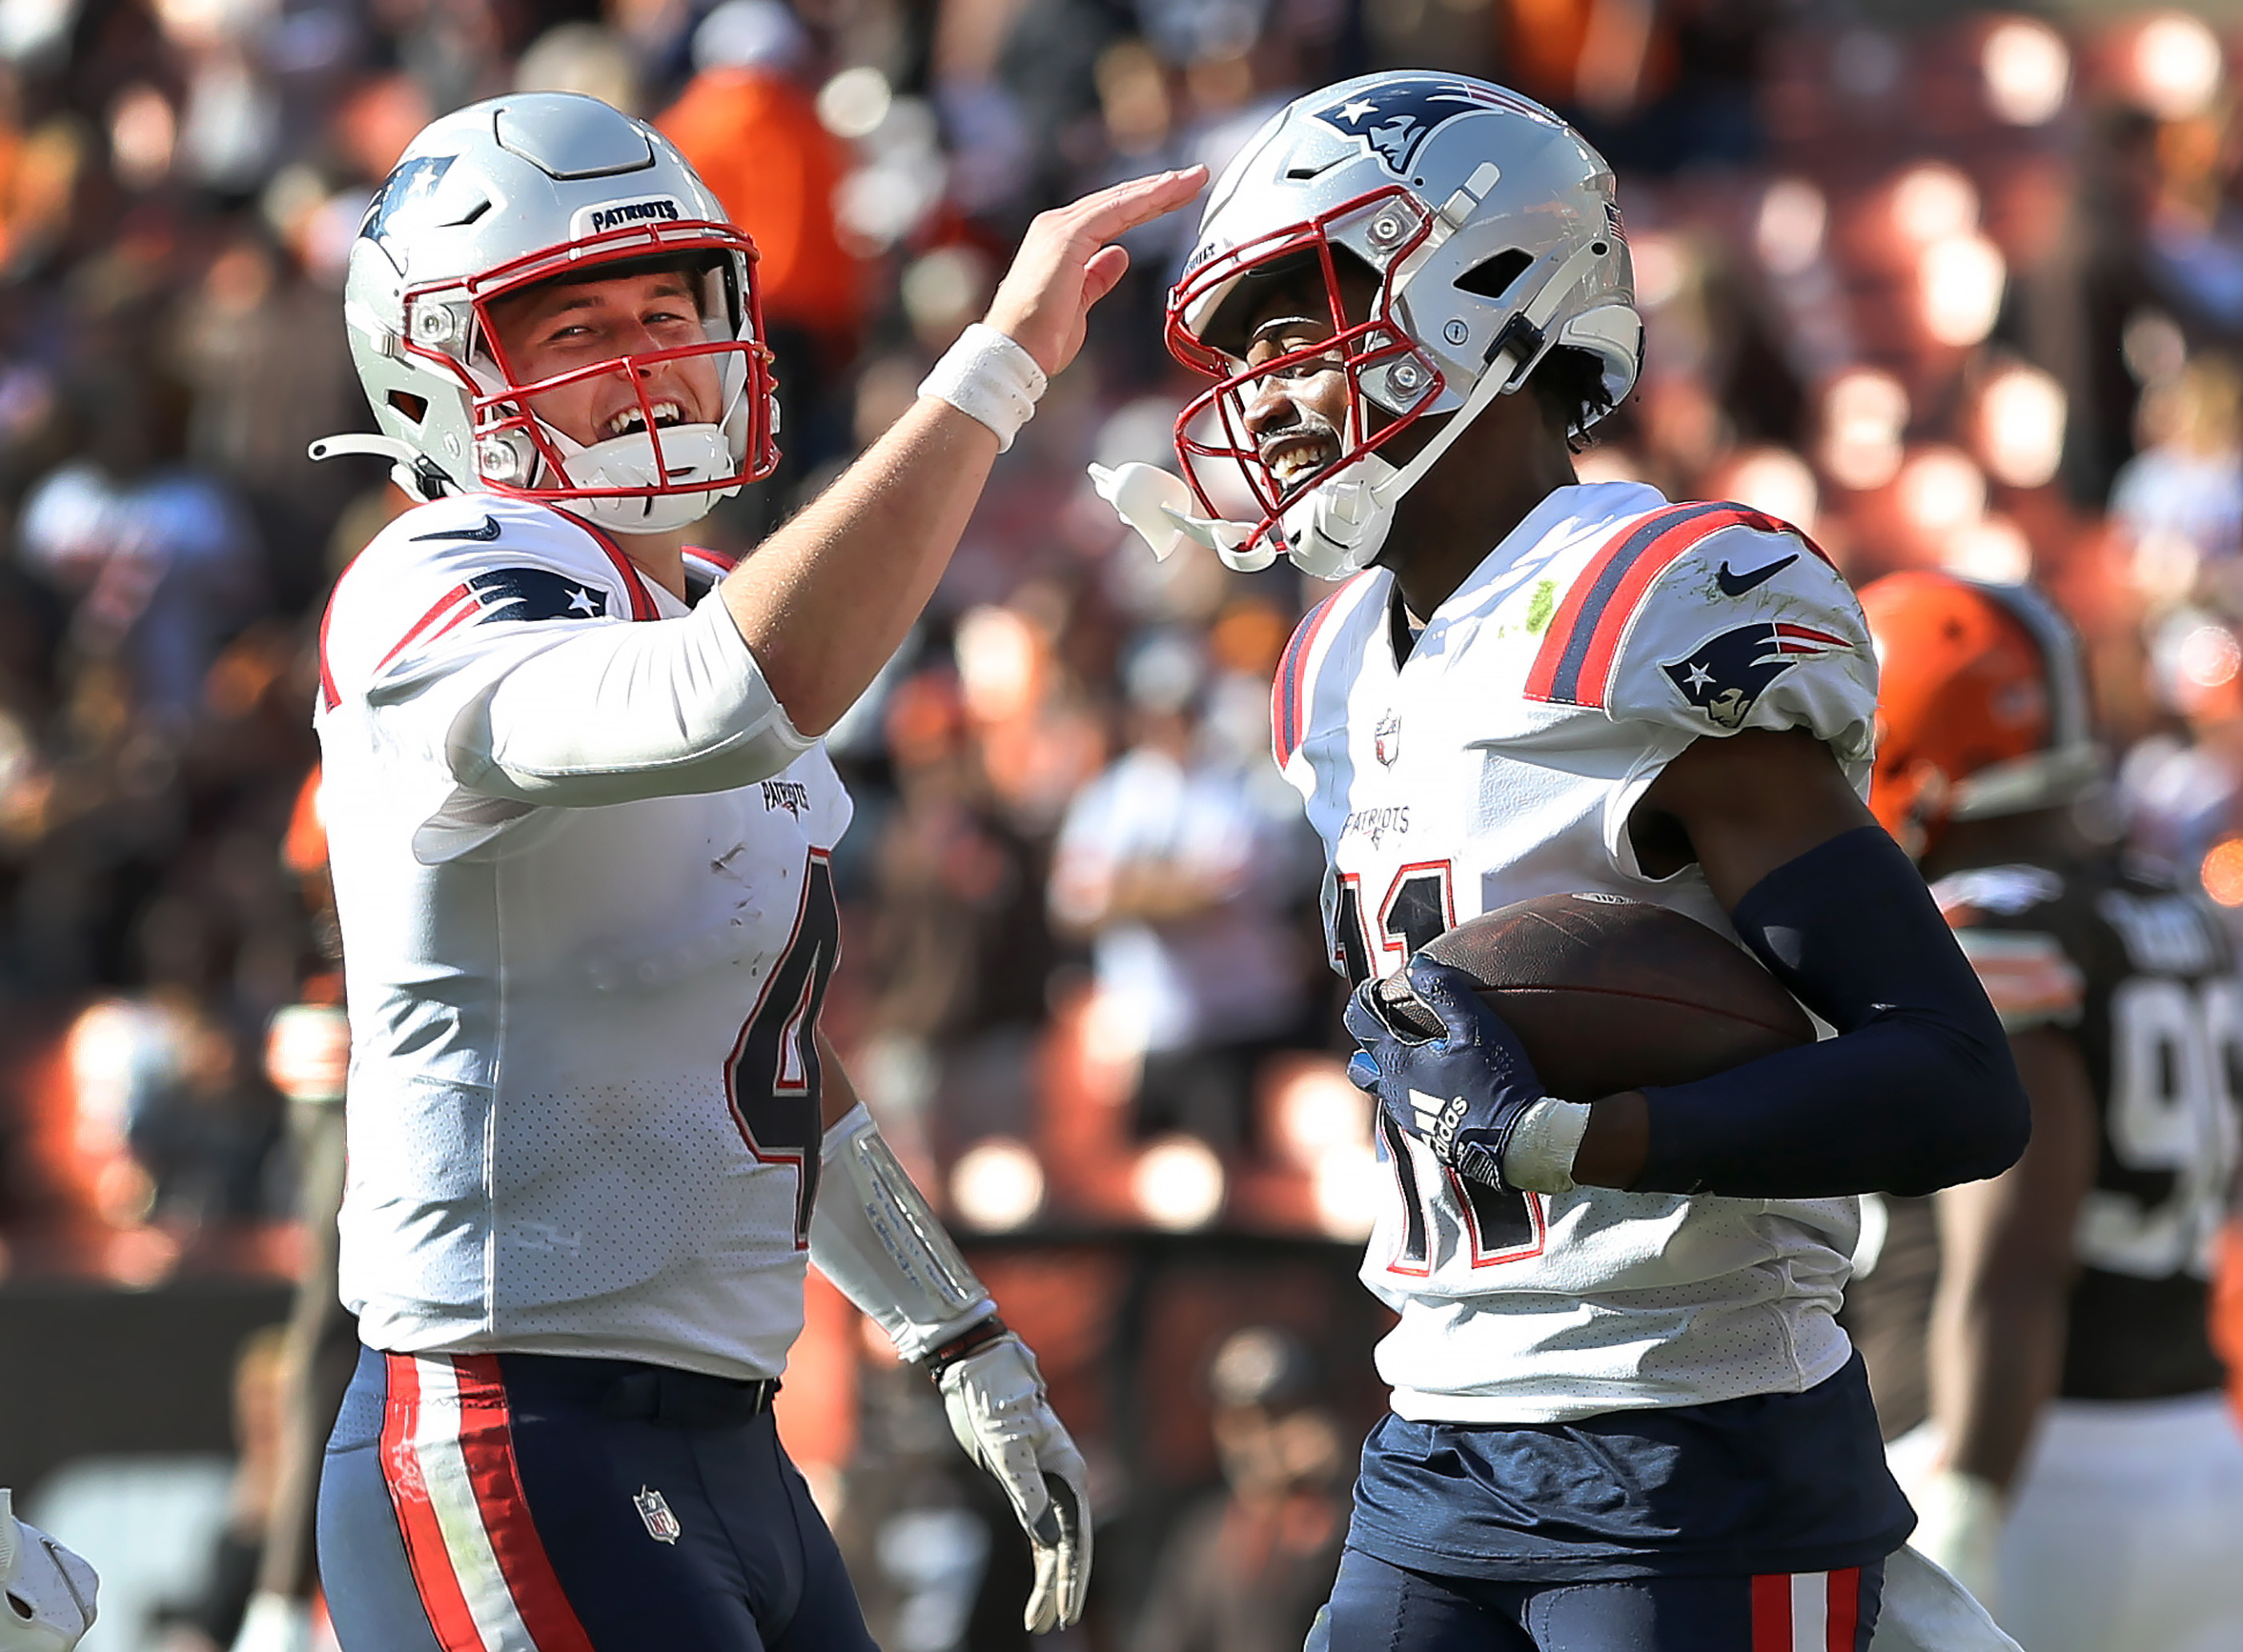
1725, 676
535, 593
1393, 119
503, 593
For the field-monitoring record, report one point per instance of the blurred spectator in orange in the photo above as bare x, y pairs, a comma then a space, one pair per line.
1246, 1571
752, 132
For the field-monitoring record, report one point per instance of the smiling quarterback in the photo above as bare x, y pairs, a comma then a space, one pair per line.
581, 831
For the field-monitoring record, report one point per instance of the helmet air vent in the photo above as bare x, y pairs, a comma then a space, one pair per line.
1492, 278
551, 132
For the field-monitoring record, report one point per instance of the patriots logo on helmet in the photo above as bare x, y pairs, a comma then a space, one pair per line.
1725, 676
1395, 118
412, 184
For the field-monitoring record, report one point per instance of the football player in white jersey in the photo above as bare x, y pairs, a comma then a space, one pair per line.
1622, 1414
580, 828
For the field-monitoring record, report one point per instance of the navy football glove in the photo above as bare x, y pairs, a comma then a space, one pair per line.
1462, 1093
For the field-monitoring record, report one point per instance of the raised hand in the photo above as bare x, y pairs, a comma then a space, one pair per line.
1067, 262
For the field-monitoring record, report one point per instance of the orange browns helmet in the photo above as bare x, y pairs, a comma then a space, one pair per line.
1982, 703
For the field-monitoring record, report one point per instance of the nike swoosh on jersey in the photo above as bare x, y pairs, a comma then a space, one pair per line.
1736, 585
490, 532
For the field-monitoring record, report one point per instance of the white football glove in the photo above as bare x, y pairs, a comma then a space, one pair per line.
1958, 1528
998, 1409
274, 1623
49, 1592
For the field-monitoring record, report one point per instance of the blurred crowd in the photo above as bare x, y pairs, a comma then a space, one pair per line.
1941, 285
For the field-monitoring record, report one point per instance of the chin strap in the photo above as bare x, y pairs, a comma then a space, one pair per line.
1157, 504
411, 471
1350, 513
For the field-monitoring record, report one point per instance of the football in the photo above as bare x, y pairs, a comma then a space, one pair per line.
1609, 994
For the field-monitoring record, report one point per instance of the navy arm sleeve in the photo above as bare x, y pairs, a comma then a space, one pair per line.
1917, 1092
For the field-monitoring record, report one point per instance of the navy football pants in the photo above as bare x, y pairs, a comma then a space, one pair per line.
1378, 1607
527, 1503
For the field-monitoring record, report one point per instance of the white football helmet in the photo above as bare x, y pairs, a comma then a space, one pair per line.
492, 200
46, 1592
1491, 231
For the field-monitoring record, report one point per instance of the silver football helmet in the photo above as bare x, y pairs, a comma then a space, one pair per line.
1488, 230
47, 1593
491, 201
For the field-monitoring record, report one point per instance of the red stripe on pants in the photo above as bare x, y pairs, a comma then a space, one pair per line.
1771, 1612
487, 1442
426, 1556
1845, 1611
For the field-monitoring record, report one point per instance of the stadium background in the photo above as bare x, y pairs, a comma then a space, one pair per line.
1941, 285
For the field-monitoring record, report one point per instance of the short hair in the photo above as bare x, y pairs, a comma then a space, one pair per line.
1569, 382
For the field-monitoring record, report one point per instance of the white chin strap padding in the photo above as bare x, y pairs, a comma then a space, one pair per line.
1158, 506
691, 453
1338, 527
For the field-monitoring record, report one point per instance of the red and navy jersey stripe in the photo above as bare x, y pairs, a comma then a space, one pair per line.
641, 599
1289, 692
1574, 665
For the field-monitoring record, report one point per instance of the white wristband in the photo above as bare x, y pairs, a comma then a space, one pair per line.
987, 376
1539, 1155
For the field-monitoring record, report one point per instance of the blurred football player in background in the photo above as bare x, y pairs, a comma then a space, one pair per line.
2081, 1470
580, 828
49, 1592
1623, 1414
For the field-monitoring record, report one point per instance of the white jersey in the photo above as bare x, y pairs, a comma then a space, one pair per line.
582, 1114
1499, 762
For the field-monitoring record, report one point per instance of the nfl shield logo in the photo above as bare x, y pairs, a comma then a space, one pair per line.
661, 1525
1387, 738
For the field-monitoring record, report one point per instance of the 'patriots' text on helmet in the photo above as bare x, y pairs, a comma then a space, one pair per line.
492, 200
1484, 229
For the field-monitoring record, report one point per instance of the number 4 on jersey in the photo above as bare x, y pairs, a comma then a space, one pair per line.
773, 1077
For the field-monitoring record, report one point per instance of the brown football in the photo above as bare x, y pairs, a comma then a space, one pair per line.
1609, 994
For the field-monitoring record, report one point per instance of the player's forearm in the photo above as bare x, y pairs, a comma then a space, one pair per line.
873, 1234
1997, 1346
1996, 1354
825, 600
1917, 1092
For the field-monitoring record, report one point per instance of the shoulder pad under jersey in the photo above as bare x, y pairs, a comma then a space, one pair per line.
446, 574
1713, 618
